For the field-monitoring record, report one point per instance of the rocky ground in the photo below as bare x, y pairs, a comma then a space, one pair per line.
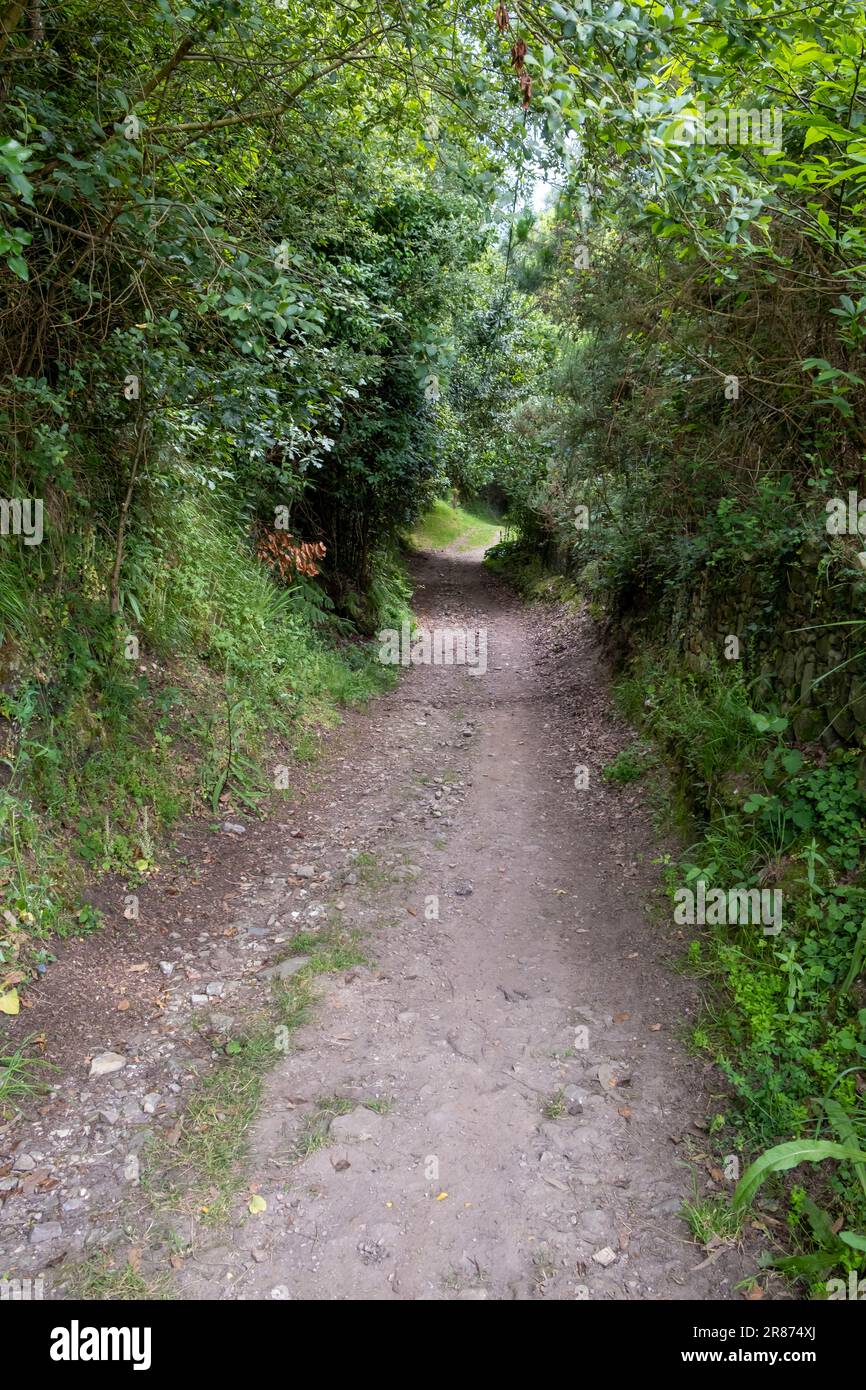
490, 1096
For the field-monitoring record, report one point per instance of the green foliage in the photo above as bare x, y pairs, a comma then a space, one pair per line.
228, 305
627, 766
445, 525
783, 1018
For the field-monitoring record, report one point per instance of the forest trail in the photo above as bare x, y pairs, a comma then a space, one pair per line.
540, 970
496, 1104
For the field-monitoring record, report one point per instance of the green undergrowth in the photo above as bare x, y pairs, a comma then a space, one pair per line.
198, 699
521, 566
467, 527
784, 1016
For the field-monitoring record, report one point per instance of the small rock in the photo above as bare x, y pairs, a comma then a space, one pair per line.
356, 1127
464, 889
150, 1102
24, 1163
604, 1257
46, 1231
104, 1063
216, 989
166, 966
132, 1170
303, 871
285, 968
574, 1099
232, 827
199, 999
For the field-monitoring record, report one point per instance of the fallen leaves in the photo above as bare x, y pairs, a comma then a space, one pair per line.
9, 1002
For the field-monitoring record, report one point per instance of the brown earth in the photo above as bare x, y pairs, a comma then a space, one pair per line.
504, 1103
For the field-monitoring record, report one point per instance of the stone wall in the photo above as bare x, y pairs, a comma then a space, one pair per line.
767, 613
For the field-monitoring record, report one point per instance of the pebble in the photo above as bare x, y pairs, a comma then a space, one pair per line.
104, 1063
132, 1169
575, 1100
46, 1231
358, 1126
285, 968
604, 1257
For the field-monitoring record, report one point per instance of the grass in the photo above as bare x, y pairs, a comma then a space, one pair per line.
379, 1105
711, 1218
554, 1107
98, 1279
315, 1135
444, 525
20, 1077
372, 874
203, 1169
234, 675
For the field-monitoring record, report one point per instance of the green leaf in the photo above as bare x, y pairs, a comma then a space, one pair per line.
783, 1157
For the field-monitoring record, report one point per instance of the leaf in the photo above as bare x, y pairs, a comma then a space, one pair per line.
838, 1117
9, 1002
784, 1156
257, 1204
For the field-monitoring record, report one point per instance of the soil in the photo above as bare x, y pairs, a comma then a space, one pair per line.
507, 1106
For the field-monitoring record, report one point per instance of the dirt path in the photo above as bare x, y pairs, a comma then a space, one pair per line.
496, 1105
540, 970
